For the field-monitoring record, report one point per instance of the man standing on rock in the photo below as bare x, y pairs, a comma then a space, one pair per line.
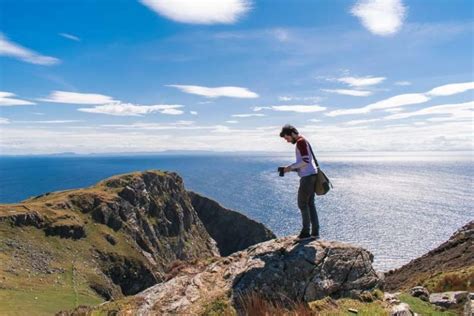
307, 173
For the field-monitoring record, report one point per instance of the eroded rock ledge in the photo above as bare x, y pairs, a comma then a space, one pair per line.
281, 269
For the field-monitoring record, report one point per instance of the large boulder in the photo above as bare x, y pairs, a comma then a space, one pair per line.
449, 299
282, 269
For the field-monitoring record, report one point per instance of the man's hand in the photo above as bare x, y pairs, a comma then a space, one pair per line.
287, 169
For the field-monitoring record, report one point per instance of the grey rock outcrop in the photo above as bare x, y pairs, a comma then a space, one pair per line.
281, 269
449, 299
420, 292
231, 230
402, 309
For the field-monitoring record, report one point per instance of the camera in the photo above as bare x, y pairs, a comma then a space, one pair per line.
281, 170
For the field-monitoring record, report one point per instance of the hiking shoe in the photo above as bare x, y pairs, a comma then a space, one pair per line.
315, 235
304, 235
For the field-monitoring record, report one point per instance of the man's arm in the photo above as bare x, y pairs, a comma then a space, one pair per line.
305, 159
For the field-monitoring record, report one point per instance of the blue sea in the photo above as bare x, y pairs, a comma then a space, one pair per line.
396, 205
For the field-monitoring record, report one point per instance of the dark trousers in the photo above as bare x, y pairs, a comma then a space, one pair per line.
306, 204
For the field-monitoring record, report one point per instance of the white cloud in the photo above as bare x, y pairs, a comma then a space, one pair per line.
298, 108
407, 99
291, 108
70, 36
193, 112
8, 99
184, 123
381, 17
216, 92
358, 122
281, 34
248, 115
200, 12
128, 109
137, 137
361, 81
259, 108
314, 120
393, 102
49, 122
393, 110
450, 89
232, 122
4, 120
457, 110
77, 98
171, 111
403, 83
292, 98
8, 48
355, 93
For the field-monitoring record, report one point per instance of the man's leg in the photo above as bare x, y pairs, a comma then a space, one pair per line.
314, 216
303, 204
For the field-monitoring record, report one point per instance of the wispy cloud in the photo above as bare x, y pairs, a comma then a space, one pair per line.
294, 98
4, 120
396, 101
77, 98
184, 123
216, 92
49, 122
358, 122
291, 108
457, 110
449, 135
361, 81
70, 36
407, 99
128, 109
193, 112
281, 34
9, 99
8, 48
394, 110
381, 17
248, 115
355, 93
232, 122
298, 108
450, 89
200, 12
402, 83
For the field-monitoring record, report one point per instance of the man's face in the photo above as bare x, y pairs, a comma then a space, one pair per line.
290, 139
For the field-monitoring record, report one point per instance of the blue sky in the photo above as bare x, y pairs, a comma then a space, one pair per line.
153, 75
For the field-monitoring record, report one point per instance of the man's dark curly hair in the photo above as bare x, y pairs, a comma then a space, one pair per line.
287, 130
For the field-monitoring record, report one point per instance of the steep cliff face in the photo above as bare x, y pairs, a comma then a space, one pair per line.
231, 230
279, 269
453, 259
115, 238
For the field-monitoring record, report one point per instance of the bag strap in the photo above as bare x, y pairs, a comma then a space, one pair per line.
312, 153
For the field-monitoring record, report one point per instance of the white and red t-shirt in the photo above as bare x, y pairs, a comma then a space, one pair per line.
304, 161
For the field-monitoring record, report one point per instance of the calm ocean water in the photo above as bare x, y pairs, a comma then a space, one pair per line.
398, 206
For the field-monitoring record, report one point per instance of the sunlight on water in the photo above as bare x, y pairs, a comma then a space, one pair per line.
398, 207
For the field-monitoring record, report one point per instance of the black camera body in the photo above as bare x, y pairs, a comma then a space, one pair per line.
281, 171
